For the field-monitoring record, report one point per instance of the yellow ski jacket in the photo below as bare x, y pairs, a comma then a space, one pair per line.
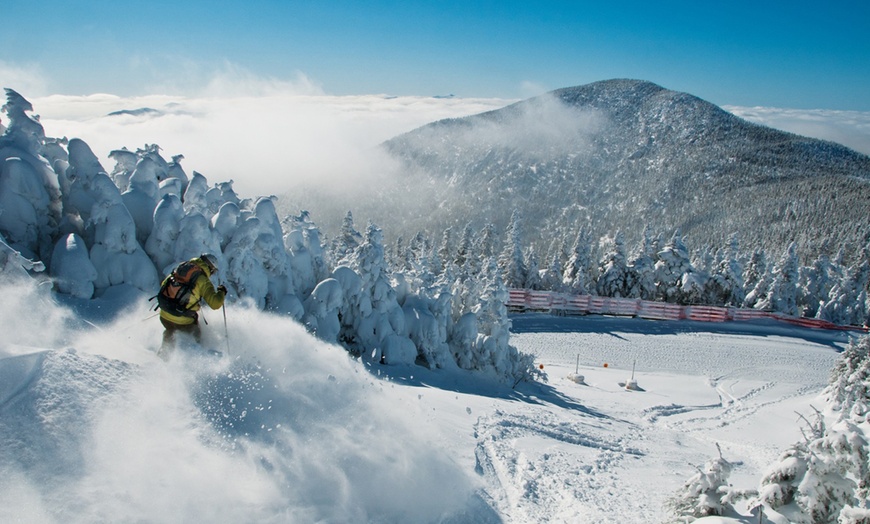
203, 290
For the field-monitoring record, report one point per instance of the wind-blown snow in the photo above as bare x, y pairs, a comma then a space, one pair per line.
288, 429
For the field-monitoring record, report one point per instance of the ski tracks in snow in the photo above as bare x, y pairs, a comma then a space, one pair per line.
542, 468
731, 408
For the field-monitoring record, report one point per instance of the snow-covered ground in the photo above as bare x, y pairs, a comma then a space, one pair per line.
95, 428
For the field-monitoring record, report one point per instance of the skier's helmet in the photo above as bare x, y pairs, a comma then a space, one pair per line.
211, 261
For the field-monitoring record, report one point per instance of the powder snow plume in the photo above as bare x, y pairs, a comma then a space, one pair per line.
288, 429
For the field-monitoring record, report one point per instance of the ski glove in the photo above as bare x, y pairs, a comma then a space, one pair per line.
222, 288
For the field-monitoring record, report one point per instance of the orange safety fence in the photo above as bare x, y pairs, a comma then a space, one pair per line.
563, 303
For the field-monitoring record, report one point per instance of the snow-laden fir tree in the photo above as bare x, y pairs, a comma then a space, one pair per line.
397, 254
511, 263
533, 272
86, 184
484, 248
71, 267
464, 248
446, 253
30, 191
779, 487
614, 278
725, 286
142, 194
782, 294
815, 285
315, 264
577, 276
224, 222
125, 164
849, 390
551, 277
845, 304
418, 251
435, 264
836, 461
707, 493
492, 351
378, 316
695, 285
642, 268
826, 476
754, 278
348, 239
270, 250
245, 273
671, 269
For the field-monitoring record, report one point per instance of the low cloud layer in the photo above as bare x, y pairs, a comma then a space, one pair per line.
277, 137
850, 128
269, 143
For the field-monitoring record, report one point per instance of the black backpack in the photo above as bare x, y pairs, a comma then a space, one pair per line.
176, 289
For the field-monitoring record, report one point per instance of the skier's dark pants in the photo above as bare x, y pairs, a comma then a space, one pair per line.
169, 335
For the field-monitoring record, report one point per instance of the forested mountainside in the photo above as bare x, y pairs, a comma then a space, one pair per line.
623, 155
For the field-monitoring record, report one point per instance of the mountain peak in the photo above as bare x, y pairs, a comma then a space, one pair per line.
622, 154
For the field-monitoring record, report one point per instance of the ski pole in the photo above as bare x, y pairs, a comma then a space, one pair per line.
226, 330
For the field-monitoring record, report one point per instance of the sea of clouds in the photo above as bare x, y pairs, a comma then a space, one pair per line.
273, 136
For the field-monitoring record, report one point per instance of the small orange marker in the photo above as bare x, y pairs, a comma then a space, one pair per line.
540, 366
605, 364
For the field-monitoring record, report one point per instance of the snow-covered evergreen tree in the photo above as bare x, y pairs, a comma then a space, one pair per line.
125, 164
87, 185
783, 292
725, 286
493, 351
826, 476
551, 277
71, 268
160, 245
348, 239
642, 268
380, 315
194, 196
779, 487
577, 275
30, 191
511, 262
705, 494
446, 251
464, 249
846, 303
816, 283
308, 256
614, 279
142, 193
533, 272
836, 461
672, 270
849, 390
484, 249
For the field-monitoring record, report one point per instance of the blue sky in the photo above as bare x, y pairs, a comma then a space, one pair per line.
779, 54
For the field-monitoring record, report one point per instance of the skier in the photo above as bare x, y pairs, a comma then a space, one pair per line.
179, 299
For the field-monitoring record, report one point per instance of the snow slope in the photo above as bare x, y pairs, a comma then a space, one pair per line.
95, 428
